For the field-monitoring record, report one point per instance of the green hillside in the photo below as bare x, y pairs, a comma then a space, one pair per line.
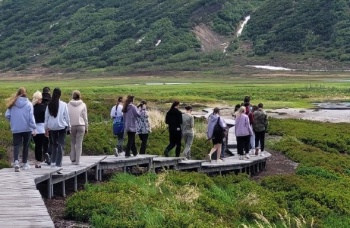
155, 35
113, 35
320, 27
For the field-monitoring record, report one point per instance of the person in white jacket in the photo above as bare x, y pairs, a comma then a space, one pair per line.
58, 123
79, 126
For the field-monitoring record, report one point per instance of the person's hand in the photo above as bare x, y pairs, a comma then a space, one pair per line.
34, 132
47, 132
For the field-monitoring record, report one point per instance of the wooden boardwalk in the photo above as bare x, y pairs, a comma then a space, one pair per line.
23, 206
21, 203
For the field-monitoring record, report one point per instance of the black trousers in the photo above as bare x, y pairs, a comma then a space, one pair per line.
243, 143
143, 138
260, 137
174, 140
131, 144
41, 144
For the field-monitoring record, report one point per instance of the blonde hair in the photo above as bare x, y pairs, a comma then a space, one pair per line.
76, 95
240, 111
36, 97
21, 92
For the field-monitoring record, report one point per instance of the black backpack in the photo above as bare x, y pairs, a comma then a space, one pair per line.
218, 131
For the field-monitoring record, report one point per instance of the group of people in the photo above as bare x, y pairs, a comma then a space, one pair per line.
251, 124
136, 122
48, 120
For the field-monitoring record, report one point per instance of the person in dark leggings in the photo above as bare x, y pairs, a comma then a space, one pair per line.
174, 120
243, 132
130, 113
143, 127
47, 144
20, 114
39, 138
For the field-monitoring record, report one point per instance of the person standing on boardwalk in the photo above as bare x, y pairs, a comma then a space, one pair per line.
20, 113
260, 127
130, 113
47, 145
174, 120
79, 126
187, 131
58, 124
216, 128
143, 127
40, 139
117, 114
243, 132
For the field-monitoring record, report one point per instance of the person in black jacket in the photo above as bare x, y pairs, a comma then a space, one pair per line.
174, 120
46, 98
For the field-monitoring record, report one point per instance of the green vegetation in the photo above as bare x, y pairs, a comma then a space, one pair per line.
113, 35
314, 27
317, 192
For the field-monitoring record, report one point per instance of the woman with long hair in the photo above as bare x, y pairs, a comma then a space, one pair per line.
20, 114
79, 126
130, 113
243, 132
57, 123
117, 114
174, 120
217, 137
40, 139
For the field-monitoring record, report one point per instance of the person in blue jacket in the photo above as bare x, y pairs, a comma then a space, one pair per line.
20, 114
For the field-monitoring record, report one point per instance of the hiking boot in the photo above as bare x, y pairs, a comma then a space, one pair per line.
262, 154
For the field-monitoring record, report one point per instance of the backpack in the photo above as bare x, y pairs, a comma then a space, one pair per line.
118, 124
218, 131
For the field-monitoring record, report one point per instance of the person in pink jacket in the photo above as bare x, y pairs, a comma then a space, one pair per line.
79, 126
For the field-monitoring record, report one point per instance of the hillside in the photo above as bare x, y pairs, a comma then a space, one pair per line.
315, 27
157, 35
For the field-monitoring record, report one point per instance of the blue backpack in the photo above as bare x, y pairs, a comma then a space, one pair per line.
118, 124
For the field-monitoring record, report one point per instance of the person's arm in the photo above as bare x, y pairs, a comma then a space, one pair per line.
66, 116
32, 123
113, 110
135, 111
85, 117
8, 114
192, 122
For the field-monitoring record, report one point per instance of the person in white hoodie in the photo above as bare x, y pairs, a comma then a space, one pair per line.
79, 126
20, 114
58, 123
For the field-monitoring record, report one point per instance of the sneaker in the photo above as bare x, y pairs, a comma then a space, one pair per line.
262, 154
247, 156
209, 157
256, 151
116, 152
53, 165
16, 165
219, 161
240, 157
47, 158
26, 166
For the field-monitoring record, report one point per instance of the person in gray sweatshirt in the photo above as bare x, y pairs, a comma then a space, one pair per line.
58, 124
20, 114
